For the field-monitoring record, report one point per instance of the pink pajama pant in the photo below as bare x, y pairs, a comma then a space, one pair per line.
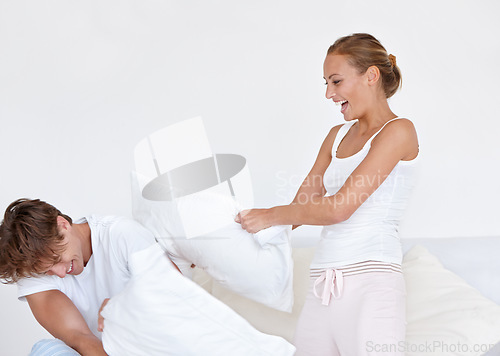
365, 317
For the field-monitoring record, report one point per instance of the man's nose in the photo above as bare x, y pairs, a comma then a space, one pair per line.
58, 270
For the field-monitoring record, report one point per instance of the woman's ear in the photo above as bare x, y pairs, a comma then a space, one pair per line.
373, 75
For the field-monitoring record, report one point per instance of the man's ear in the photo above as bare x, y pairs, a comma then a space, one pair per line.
373, 75
62, 224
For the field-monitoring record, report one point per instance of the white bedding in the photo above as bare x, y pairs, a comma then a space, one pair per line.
163, 313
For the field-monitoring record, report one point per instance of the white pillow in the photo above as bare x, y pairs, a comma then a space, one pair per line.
445, 316
160, 312
259, 267
265, 319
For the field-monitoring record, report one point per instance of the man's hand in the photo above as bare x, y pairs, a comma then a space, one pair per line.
100, 319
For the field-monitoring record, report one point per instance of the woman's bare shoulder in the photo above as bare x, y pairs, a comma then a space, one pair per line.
401, 135
402, 127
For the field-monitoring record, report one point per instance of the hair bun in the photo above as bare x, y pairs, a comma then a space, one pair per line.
392, 59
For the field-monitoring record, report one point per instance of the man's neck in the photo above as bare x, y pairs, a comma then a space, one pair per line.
83, 232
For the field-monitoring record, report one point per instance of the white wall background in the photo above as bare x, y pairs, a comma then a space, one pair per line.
82, 81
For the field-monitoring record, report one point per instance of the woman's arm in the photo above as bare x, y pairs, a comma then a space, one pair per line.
60, 317
312, 186
397, 141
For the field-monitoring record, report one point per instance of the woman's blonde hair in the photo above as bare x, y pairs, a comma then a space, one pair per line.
363, 51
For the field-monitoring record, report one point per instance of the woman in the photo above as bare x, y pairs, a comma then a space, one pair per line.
356, 302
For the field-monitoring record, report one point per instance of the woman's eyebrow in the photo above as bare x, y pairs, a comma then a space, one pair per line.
330, 76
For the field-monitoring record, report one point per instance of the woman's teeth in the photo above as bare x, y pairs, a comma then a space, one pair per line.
343, 105
70, 267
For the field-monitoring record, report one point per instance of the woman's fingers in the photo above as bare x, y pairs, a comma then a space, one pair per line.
252, 220
240, 215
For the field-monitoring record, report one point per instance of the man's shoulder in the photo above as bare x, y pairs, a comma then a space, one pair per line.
118, 230
114, 224
105, 220
32, 285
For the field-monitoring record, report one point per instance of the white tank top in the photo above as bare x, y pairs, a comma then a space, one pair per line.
371, 233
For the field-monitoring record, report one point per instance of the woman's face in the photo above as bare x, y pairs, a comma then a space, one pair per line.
345, 86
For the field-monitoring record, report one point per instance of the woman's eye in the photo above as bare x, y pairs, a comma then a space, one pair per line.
336, 82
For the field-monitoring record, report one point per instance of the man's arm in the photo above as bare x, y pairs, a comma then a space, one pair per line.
60, 317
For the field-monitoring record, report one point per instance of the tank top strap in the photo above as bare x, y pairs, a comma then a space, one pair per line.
371, 138
340, 135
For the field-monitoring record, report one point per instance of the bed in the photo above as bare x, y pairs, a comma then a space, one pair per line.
474, 259
453, 301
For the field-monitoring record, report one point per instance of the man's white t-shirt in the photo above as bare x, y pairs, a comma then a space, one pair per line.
114, 240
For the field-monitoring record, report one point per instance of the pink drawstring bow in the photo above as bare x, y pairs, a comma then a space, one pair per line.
334, 283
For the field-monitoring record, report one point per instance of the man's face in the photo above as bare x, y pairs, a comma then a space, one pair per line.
71, 257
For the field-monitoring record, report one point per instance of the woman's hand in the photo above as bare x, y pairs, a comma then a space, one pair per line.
254, 220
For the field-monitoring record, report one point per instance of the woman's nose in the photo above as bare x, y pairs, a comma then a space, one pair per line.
329, 92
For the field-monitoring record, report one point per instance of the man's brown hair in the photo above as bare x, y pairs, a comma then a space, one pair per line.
30, 241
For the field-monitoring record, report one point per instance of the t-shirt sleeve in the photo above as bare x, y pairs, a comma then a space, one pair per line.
32, 285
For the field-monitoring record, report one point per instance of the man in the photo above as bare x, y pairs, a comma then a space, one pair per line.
66, 270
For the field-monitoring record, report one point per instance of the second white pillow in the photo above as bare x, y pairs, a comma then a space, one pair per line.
445, 315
